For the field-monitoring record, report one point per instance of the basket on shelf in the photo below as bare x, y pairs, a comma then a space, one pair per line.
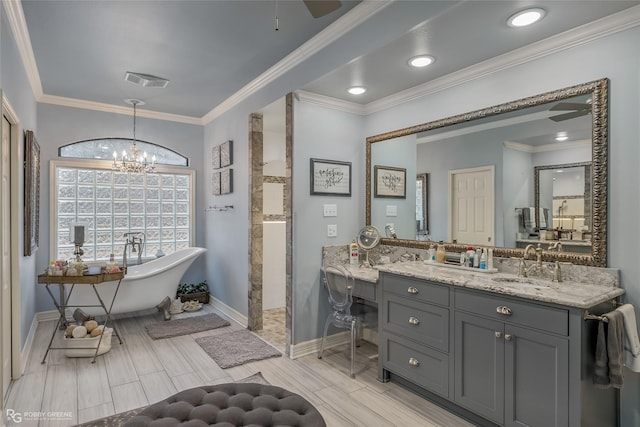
193, 292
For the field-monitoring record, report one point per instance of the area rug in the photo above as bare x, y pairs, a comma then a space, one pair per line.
118, 420
236, 348
188, 325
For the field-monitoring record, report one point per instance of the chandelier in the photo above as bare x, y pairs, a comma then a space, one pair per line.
135, 161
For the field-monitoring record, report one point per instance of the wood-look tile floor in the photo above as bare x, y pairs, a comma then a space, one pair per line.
142, 371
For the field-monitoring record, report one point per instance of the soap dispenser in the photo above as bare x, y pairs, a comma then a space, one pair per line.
441, 254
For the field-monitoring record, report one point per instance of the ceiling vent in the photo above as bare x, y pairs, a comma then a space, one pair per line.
145, 80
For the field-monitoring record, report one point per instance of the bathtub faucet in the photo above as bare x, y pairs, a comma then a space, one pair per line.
135, 239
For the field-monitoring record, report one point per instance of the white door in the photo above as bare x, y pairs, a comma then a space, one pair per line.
471, 206
5, 260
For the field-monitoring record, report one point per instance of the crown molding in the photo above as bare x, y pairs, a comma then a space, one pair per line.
18, 24
333, 32
547, 147
115, 109
587, 33
356, 16
578, 36
330, 102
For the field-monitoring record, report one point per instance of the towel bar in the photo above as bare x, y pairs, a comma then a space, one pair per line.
589, 316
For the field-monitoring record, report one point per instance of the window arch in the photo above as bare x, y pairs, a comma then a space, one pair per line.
103, 149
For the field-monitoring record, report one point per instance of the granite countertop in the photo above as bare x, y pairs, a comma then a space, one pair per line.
567, 293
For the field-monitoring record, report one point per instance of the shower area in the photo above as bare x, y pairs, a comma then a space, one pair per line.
270, 287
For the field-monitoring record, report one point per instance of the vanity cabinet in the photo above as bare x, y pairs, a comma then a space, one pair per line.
510, 374
413, 340
497, 360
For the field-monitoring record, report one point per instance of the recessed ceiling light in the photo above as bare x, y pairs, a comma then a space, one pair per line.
562, 136
421, 61
357, 90
526, 17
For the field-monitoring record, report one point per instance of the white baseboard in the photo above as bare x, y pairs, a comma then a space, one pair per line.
42, 316
228, 311
313, 346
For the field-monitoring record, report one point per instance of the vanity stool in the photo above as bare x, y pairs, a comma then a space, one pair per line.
231, 404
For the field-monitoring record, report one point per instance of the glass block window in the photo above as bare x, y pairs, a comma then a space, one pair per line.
102, 149
112, 203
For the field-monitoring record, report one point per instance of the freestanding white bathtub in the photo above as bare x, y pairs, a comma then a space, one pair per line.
143, 286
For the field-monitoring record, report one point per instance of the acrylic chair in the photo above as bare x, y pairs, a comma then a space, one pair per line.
346, 314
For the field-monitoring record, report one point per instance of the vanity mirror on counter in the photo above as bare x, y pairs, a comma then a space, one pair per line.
486, 167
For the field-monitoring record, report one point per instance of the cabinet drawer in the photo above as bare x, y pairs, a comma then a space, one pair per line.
416, 289
425, 323
532, 315
423, 366
365, 290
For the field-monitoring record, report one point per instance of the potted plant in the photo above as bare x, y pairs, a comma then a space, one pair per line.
191, 291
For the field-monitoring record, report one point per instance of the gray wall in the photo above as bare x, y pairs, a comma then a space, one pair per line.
401, 153
517, 191
614, 57
16, 88
58, 126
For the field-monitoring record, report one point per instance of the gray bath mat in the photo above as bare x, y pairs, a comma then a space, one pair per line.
188, 325
236, 348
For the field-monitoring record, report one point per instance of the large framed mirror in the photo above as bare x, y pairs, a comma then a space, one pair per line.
490, 172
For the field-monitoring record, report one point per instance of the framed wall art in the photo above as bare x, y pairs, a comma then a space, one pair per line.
226, 181
215, 183
226, 154
215, 157
31, 193
390, 182
330, 178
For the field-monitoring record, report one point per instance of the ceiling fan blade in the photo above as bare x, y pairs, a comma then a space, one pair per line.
567, 116
570, 106
319, 8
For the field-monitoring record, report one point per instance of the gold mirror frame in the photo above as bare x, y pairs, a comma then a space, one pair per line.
599, 90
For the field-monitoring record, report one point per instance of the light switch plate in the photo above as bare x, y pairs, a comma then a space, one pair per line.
392, 210
332, 230
330, 210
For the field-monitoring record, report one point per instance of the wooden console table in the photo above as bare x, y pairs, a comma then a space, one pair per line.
61, 303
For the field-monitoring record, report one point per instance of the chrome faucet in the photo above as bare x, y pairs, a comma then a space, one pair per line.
524, 270
135, 239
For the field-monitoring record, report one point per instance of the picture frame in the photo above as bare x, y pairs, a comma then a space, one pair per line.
226, 154
390, 182
31, 193
330, 178
215, 183
215, 157
226, 181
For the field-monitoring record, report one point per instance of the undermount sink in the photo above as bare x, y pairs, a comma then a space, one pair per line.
521, 281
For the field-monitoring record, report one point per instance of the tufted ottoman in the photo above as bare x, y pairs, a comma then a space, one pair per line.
228, 405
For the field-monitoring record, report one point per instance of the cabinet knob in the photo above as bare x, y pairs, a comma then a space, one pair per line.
507, 337
414, 362
503, 309
498, 334
412, 290
414, 320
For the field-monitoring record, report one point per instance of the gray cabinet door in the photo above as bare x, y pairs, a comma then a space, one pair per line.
479, 365
536, 378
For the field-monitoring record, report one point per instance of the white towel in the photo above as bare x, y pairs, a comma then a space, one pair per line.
632, 343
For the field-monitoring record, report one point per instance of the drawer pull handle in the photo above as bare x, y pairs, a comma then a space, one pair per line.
414, 362
507, 337
412, 290
414, 320
498, 334
503, 309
